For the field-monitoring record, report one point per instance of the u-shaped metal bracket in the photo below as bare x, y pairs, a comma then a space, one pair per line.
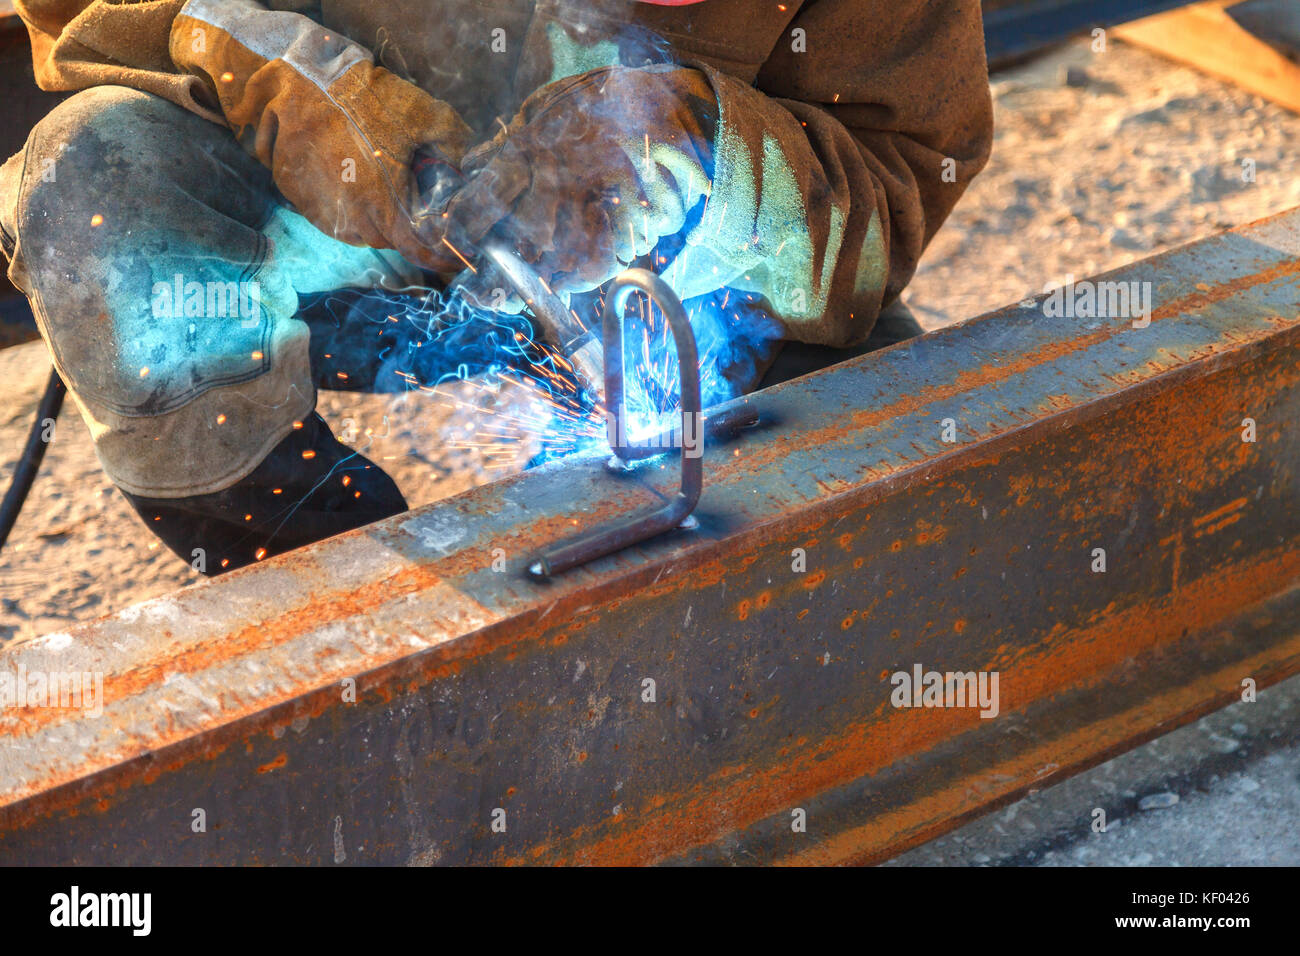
602, 542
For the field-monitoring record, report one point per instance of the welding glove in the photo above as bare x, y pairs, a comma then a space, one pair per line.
593, 171
338, 133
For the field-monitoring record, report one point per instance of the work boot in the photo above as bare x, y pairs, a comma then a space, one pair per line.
310, 487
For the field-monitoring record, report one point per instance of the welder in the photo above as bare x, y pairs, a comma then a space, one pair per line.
224, 152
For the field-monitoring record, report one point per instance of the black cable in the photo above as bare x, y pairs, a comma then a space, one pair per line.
30, 461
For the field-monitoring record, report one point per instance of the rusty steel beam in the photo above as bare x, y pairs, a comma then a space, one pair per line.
680, 701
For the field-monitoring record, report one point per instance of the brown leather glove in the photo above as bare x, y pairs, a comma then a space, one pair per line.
592, 173
337, 132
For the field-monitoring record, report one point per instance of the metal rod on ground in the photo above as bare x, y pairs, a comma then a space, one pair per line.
29, 463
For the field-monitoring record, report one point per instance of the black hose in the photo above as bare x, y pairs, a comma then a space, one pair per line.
30, 462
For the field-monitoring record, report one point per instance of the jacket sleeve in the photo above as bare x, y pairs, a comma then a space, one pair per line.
835, 169
77, 44
338, 132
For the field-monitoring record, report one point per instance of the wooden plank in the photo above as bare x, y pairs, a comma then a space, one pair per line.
1205, 36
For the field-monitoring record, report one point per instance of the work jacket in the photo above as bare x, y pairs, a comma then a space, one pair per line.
849, 128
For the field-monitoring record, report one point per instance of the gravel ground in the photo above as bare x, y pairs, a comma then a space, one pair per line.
1099, 159
79, 551
1142, 156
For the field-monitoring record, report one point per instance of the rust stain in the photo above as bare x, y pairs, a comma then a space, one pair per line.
275, 764
1235, 505
1075, 659
897, 831
1215, 528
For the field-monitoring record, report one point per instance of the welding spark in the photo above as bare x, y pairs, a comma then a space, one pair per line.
433, 341
469, 265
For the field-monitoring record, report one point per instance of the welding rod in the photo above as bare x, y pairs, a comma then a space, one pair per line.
438, 180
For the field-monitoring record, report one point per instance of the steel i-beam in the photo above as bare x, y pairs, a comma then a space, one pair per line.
1101, 510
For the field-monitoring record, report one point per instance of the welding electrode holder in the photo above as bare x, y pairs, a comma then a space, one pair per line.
558, 325
606, 541
579, 346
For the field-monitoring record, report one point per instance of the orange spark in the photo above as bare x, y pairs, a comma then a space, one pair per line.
471, 268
